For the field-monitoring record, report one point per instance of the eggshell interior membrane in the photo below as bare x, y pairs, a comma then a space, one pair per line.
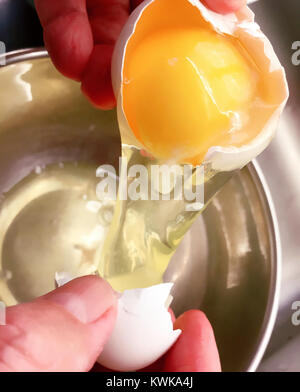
196, 86
143, 331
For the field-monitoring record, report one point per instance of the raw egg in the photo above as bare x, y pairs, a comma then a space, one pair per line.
194, 86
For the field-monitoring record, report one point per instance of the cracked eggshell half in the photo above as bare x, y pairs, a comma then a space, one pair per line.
242, 27
143, 331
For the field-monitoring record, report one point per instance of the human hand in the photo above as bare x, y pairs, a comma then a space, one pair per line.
80, 35
66, 330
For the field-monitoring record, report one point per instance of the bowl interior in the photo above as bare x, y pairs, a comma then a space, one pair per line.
226, 264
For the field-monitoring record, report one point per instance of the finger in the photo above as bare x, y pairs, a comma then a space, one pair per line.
67, 34
63, 331
225, 6
220, 6
107, 17
196, 349
96, 79
135, 3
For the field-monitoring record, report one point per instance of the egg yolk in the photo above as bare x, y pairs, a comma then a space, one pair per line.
185, 90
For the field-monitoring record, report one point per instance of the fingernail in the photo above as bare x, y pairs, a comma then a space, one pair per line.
86, 298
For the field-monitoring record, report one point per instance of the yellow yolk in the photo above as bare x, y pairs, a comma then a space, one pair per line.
185, 90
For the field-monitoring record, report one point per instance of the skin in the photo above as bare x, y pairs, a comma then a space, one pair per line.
80, 35
66, 329
62, 331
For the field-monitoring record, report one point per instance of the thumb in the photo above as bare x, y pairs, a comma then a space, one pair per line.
64, 330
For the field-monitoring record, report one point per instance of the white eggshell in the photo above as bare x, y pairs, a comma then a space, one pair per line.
143, 331
62, 278
242, 26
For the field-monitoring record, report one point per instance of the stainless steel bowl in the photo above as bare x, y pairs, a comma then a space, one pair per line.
228, 264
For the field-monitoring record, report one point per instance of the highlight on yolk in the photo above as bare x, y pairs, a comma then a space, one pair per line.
184, 91
186, 87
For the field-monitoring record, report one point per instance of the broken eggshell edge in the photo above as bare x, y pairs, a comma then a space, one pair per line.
242, 26
143, 331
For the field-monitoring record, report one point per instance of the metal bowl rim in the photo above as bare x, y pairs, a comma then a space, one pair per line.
266, 199
276, 264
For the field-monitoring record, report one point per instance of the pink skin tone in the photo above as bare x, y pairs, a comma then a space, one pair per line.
80, 35
66, 329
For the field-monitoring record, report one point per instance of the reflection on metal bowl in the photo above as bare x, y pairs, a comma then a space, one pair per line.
228, 264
